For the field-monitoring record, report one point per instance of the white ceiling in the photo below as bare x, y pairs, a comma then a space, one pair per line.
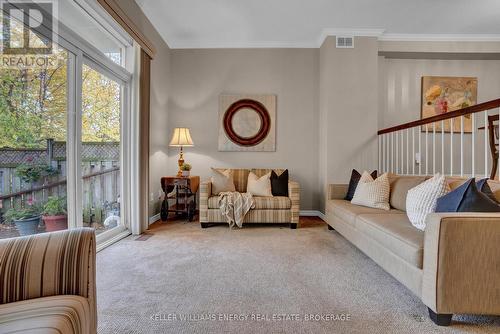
305, 23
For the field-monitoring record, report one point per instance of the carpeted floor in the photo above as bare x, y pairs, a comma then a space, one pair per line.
183, 278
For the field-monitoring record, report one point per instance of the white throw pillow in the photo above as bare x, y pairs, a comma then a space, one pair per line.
422, 199
222, 181
259, 186
372, 193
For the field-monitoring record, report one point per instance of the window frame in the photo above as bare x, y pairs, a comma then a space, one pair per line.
81, 52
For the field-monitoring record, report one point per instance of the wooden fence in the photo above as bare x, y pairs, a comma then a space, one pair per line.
100, 178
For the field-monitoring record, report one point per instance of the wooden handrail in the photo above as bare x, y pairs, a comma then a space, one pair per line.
55, 184
452, 114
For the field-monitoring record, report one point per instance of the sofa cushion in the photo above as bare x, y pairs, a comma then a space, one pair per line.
396, 233
240, 176
421, 200
399, 189
259, 186
467, 198
353, 183
222, 181
495, 188
276, 202
373, 193
279, 183
484, 187
348, 212
54, 314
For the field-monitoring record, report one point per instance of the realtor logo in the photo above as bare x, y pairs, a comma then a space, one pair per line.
27, 27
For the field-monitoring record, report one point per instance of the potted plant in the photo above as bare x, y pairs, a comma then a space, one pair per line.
185, 168
54, 214
32, 173
25, 219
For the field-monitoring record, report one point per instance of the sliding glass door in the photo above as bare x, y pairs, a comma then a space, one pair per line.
101, 150
33, 141
66, 144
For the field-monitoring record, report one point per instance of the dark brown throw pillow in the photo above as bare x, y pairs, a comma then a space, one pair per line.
279, 184
353, 183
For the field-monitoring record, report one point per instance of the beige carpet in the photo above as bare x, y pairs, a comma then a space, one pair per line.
259, 271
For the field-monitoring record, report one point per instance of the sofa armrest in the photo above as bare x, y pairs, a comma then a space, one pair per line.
49, 264
205, 192
294, 195
462, 263
336, 191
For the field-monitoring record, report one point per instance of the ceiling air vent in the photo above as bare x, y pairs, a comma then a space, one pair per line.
345, 42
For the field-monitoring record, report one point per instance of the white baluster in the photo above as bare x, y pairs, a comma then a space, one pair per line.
392, 152
379, 153
442, 147
397, 153
382, 143
451, 146
413, 150
388, 154
420, 151
426, 149
461, 146
473, 144
407, 151
434, 148
402, 153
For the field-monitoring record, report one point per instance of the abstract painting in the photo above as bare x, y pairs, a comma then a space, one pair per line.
444, 94
247, 123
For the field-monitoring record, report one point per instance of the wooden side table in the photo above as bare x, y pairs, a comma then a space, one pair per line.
184, 195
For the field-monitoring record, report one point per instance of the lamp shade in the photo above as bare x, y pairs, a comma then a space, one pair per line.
181, 137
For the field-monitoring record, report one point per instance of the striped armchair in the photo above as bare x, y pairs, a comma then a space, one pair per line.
275, 209
48, 283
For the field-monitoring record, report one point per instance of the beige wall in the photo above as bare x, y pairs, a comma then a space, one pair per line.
160, 88
400, 83
198, 77
400, 93
331, 102
348, 109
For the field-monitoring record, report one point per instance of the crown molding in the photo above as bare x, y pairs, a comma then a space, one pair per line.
378, 33
244, 45
440, 37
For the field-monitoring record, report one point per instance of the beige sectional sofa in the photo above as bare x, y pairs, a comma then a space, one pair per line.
454, 266
277, 209
48, 283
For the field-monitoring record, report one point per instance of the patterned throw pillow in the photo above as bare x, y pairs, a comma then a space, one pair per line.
467, 198
259, 186
372, 193
421, 200
353, 183
222, 181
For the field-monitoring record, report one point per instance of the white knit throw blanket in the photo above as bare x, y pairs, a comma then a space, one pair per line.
234, 206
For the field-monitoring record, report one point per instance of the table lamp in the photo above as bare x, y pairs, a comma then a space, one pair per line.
180, 138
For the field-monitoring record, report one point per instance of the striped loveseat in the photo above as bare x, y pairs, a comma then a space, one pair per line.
277, 209
47, 283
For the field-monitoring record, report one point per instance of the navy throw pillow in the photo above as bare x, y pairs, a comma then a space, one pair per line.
353, 183
484, 187
466, 198
279, 184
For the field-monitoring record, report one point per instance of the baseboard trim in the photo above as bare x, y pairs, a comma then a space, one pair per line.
154, 218
312, 213
306, 213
